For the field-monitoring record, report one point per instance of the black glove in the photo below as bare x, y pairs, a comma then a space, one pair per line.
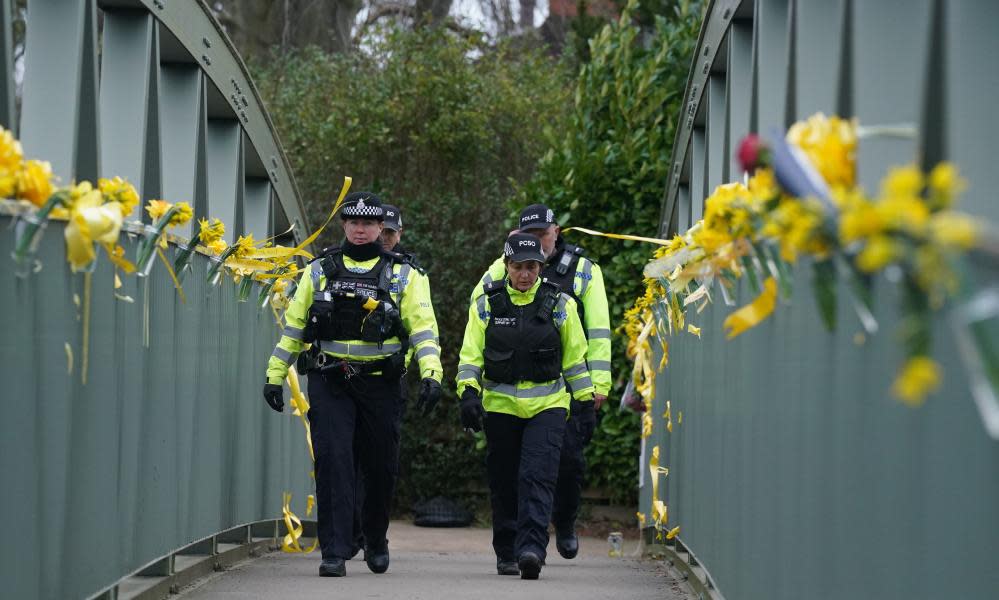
430, 395
471, 409
274, 395
585, 416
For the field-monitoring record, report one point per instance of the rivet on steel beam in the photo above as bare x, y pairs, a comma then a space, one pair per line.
246, 102
707, 67
274, 160
727, 12
707, 49
205, 59
206, 42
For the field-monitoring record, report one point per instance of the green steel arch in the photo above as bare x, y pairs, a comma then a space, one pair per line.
794, 474
165, 456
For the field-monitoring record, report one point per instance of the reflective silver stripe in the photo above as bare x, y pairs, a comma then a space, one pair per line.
471, 368
403, 276
487, 279
562, 300
421, 336
282, 355
427, 351
359, 350
480, 303
467, 375
585, 279
582, 383
536, 391
317, 271
292, 332
576, 370
599, 333
600, 365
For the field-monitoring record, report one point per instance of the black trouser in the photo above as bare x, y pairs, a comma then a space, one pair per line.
352, 417
571, 474
522, 457
359, 480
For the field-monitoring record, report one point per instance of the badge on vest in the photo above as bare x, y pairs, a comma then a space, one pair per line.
505, 321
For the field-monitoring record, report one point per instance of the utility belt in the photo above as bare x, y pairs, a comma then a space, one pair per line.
314, 360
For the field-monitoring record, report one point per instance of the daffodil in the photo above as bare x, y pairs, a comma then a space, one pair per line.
954, 230
121, 191
830, 144
217, 247
906, 181
919, 377
157, 208
210, 232
943, 185
10, 163
879, 252
244, 246
182, 214
90, 220
34, 182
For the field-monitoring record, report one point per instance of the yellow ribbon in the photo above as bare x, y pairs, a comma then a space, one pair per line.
618, 236
660, 512
301, 405
176, 282
753, 313
295, 528
336, 206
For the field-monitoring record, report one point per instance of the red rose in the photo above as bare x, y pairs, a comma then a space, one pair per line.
753, 153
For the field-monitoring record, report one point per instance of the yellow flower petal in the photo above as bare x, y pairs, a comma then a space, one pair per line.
919, 376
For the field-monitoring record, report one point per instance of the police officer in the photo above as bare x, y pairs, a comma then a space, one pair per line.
360, 309
581, 278
523, 343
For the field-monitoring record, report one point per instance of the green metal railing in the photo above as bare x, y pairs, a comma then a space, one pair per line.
794, 473
133, 428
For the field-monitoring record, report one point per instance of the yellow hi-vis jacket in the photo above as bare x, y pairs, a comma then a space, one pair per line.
588, 285
526, 398
411, 292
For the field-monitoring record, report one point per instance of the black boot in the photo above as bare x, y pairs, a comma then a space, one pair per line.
332, 567
567, 543
507, 567
377, 558
530, 565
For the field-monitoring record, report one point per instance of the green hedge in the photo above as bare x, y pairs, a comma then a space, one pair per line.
606, 170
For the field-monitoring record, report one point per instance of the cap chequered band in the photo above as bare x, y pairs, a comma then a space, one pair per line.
362, 210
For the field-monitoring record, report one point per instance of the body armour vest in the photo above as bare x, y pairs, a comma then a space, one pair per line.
562, 272
522, 342
342, 309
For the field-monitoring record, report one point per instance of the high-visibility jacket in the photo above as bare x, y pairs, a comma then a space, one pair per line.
410, 290
588, 287
525, 398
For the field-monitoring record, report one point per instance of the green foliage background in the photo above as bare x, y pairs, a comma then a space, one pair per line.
606, 170
446, 129
461, 136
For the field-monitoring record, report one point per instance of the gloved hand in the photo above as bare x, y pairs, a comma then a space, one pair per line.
274, 395
430, 395
585, 416
471, 409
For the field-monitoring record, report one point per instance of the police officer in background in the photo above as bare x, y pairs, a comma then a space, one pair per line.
567, 266
523, 343
360, 309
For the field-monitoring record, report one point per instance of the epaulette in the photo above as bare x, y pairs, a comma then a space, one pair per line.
493, 286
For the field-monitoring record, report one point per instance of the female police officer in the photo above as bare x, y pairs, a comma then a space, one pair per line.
522, 338
360, 308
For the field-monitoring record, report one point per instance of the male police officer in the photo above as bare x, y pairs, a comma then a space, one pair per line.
360, 308
567, 266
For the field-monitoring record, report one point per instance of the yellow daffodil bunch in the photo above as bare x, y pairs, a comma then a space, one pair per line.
210, 235
179, 213
758, 229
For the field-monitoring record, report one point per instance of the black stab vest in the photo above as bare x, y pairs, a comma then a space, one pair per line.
562, 272
522, 342
338, 313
